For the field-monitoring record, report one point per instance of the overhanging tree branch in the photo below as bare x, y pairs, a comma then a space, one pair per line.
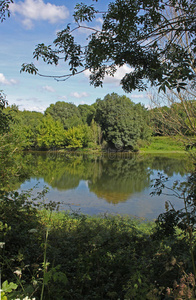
132, 33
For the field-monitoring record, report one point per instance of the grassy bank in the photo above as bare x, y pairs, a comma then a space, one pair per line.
158, 144
52, 255
163, 144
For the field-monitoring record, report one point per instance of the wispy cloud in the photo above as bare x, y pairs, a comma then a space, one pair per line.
32, 104
137, 96
79, 95
115, 80
82, 102
5, 81
99, 20
62, 97
27, 100
48, 88
34, 10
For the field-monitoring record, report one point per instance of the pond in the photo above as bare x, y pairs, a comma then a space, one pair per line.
109, 183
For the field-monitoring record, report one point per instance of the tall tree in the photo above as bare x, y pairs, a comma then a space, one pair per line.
50, 133
132, 33
67, 113
24, 125
120, 121
87, 112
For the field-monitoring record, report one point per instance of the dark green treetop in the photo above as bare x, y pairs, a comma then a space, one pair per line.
87, 112
120, 120
67, 113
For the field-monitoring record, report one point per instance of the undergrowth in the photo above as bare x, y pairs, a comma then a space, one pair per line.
50, 255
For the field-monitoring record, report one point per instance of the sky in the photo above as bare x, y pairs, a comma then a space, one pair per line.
37, 21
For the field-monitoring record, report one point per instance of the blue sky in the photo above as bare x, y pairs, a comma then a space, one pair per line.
37, 21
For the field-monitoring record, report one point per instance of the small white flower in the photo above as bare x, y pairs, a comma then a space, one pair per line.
2, 244
18, 273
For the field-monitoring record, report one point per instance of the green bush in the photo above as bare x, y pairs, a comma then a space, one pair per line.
62, 255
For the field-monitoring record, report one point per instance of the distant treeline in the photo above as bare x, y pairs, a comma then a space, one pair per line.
114, 122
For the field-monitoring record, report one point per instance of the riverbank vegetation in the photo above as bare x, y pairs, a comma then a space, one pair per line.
52, 255
112, 124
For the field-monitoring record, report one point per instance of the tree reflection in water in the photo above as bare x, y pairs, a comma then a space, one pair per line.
111, 177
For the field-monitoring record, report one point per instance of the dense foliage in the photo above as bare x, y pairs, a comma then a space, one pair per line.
123, 123
66, 113
71, 256
114, 122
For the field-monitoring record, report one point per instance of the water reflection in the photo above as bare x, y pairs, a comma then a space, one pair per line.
121, 178
114, 178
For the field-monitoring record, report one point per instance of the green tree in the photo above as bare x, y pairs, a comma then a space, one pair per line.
87, 113
24, 125
132, 33
4, 118
10, 145
74, 138
50, 133
120, 120
67, 113
96, 133
142, 115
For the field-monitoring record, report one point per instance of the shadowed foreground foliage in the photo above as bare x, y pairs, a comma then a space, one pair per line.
75, 256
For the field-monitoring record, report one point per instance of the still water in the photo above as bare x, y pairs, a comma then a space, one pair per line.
110, 183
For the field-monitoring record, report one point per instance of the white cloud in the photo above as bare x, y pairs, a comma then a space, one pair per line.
62, 97
99, 20
137, 96
4, 80
48, 89
77, 95
32, 104
82, 102
33, 10
32, 107
120, 73
27, 100
28, 24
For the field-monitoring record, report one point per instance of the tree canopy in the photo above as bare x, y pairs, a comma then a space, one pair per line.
132, 33
67, 113
121, 121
